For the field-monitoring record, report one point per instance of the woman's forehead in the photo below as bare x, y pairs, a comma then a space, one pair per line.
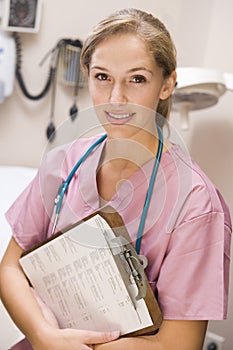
124, 47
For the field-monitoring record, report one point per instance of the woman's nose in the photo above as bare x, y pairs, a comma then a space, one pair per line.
118, 94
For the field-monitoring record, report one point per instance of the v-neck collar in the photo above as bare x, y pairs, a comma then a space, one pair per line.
88, 180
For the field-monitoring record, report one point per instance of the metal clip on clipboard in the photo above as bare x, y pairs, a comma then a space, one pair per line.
134, 264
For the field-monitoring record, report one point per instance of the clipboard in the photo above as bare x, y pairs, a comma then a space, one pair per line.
139, 300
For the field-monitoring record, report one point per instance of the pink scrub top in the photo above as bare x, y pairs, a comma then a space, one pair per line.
187, 232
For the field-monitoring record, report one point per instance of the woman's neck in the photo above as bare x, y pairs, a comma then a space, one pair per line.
129, 153
121, 158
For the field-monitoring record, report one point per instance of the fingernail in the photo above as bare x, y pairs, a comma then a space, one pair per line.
115, 334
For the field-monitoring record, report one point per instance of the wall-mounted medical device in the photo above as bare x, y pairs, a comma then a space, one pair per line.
16, 16
198, 88
20, 15
66, 58
7, 65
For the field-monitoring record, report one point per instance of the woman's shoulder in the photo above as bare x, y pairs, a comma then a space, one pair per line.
70, 151
198, 190
187, 169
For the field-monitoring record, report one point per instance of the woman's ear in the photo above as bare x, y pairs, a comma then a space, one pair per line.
168, 86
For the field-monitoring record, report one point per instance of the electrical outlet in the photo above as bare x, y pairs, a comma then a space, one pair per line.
213, 341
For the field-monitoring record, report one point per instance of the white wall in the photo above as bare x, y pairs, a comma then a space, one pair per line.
202, 31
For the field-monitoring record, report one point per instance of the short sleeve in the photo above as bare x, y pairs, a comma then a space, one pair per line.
27, 216
31, 215
194, 277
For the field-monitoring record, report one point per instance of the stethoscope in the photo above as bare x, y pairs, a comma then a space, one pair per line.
64, 186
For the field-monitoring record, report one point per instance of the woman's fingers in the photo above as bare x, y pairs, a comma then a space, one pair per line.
92, 337
86, 347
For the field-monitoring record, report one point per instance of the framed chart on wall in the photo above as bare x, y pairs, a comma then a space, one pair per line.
20, 15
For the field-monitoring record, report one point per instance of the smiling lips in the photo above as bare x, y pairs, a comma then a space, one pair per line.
119, 118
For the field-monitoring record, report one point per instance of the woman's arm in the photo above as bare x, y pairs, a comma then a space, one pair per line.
173, 335
21, 304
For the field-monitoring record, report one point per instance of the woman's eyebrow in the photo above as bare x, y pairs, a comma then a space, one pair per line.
131, 70
99, 68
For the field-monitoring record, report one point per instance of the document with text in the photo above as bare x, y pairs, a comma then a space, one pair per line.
76, 275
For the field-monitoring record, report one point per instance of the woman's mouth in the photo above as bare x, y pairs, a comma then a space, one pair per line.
118, 118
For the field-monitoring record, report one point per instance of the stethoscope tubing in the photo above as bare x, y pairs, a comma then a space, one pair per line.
149, 192
64, 186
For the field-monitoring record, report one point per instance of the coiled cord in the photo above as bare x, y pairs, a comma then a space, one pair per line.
19, 77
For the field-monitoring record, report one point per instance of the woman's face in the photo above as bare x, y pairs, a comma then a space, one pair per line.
125, 85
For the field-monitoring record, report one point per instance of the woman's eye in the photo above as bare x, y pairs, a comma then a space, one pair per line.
138, 79
101, 76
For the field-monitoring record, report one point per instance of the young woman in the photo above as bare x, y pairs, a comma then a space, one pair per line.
130, 62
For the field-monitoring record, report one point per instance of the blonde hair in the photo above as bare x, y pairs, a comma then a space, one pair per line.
150, 29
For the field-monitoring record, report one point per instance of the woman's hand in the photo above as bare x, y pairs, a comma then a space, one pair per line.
63, 339
72, 339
